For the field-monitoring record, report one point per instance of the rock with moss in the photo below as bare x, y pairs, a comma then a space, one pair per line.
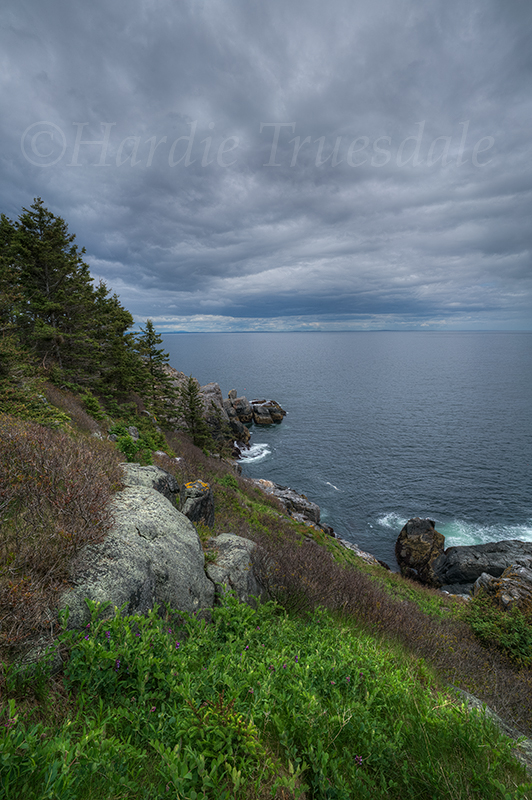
513, 589
417, 547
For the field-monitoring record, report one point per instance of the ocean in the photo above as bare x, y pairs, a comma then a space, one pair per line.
387, 425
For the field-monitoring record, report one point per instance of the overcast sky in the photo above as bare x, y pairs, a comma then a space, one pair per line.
281, 164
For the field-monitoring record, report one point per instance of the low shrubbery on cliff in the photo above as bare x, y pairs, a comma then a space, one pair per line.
54, 496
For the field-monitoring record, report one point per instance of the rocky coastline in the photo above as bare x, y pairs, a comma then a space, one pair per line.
502, 569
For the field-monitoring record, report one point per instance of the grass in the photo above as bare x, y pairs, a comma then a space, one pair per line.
256, 703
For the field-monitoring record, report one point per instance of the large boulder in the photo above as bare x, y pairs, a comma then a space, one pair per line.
152, 555
196, 502
152, 477
417, 548
463, 565
233, 569
268, 408
512, 590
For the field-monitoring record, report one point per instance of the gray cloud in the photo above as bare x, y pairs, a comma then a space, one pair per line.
272, 166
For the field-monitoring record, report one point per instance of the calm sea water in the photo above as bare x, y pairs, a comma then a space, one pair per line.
384, 426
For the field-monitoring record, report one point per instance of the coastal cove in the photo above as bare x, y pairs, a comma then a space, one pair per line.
384, 426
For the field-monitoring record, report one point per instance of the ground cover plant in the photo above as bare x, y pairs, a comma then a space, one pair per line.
256, 703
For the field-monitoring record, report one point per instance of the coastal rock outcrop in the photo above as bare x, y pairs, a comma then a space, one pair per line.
261, 412
295, 504
418, 547
512, 590
233, 568
463, 565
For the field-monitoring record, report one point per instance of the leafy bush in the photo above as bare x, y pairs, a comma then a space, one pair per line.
509, 631
257, 704
93, 406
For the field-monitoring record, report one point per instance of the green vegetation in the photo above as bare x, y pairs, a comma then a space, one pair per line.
338, 688
510, 631
256, 703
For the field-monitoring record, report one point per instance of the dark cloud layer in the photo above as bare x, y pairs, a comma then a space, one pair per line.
281, 165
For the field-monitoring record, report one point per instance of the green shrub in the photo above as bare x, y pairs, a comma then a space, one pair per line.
510, 631
93, 406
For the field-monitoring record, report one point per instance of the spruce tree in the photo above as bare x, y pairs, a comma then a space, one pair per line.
119, 367
159, 390
55, 317
191, 408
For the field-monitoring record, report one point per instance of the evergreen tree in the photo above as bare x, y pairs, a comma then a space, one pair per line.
55, 317
159, 390
119, 367
191, 408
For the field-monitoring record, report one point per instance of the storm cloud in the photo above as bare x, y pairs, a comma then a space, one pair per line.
241, 165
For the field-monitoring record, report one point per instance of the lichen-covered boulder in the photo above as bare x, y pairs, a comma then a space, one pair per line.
196, 501
513, 589
152, 555
152, 477
233, 568
417, 548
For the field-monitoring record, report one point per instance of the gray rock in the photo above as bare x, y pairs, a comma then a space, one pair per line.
152, 554
232, 395
417, 548
460, 565
229, 410
261, 415
243, 409
293, 502
196, 501
512, 589
152, 477
133, 432
213, 402
233, 570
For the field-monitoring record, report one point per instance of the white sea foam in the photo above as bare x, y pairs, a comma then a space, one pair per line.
392, 521
460, 533
256, 452
328, 483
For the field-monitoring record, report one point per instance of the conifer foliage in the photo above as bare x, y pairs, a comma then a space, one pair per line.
51, 314
159, 391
